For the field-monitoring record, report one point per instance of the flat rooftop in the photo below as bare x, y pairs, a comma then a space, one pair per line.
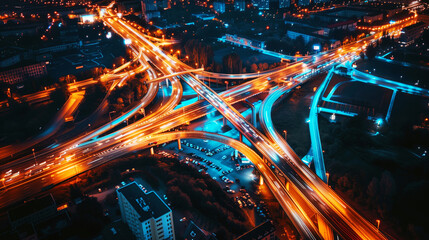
147, 205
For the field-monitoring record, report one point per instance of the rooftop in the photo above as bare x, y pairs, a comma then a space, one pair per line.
416, 25
193, 232
147, 205
259, 232
31, 207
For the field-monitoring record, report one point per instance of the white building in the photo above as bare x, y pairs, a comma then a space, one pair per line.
146, 214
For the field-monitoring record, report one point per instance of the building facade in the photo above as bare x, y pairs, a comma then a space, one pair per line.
244, 42
411, 33
219, 6
284, 3
17, 75
239, 5
261, 4
149, 9
147, 216
303, 2
33, 212
264, 231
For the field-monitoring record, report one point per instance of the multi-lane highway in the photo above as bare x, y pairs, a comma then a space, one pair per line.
341, 217
292, 182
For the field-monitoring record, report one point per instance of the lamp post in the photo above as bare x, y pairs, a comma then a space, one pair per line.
226, 82
327, 178
285, 132
378, 224
34, 156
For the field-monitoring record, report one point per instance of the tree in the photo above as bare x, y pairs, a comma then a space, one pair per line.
60, 94
178, 198
232, 63
387, 193
88, 220
373, 191
253, 67
371, 51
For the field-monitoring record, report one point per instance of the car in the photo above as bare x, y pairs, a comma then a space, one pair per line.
230, 191
182, 219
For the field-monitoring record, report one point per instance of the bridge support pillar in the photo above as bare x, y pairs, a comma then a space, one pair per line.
224, 122
254, 122
324, 229
152, 151
241, 137
253, 116
179, 144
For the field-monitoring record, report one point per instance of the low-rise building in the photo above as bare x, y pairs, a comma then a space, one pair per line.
310, 34
204, 16
239, 5
411, 33
219, 6
245, 42
33, 212
21, 74
146, 214
264, 231
193, 232
9, 56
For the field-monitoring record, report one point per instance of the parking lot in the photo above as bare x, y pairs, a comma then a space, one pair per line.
222, 163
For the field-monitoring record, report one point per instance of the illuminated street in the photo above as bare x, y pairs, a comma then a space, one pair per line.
161, 92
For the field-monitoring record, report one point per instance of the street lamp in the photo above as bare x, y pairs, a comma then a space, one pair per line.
226, 82
327, 178
34, 156
285, 132
378, 224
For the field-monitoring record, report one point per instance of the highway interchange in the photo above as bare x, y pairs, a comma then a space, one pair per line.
294, 185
